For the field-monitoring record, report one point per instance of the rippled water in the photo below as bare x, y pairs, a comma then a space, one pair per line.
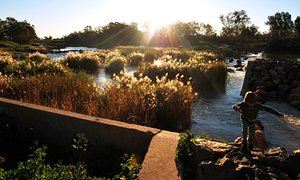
215, 117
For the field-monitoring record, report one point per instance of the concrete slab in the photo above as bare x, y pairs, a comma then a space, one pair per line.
159, 162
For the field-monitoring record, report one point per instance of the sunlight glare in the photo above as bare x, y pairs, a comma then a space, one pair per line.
157, 62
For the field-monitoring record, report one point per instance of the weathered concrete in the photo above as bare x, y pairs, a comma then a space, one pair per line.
159, 162
57, 128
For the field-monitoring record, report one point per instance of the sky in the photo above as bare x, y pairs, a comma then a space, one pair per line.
58, 18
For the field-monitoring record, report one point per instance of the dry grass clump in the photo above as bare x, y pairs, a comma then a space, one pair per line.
207, 75
33, 65
71, 92
136, 59
162, 103
86, 61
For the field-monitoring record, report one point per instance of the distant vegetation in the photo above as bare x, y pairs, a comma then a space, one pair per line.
238, 35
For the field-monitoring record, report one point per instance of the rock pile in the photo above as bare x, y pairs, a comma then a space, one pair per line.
219, 160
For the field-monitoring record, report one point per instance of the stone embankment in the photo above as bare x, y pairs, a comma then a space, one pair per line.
274, 79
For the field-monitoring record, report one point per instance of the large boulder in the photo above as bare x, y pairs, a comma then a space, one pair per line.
294, 97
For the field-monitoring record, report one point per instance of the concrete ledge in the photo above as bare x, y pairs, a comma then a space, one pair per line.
159, 162
56, 127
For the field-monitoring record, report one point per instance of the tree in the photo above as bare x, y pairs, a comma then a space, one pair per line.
20, 32
281, 26
297, 26
249, 32
207, 30
1, 29
234, 23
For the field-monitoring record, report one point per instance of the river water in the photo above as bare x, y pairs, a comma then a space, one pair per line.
215, 117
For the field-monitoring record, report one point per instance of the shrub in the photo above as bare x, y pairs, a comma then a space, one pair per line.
206, 76
135, 59
150, 56
36, 168
185, 153
86, 61
37, 57
182, 55
115, 65
9, 66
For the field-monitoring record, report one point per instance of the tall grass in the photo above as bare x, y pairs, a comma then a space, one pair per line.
205, 75
86, 61
35, 64
71, 92
162, 103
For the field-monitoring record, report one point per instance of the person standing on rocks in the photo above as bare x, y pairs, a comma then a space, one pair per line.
249, 109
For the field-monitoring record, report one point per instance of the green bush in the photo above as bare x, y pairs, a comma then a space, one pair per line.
135, 59
36, 168
115, 65
86, 61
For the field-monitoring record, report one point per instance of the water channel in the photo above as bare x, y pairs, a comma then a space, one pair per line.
215, 117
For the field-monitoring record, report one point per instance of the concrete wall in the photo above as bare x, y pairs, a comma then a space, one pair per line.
57, 128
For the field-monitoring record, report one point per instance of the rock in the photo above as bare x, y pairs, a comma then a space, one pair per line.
272, 72
276, 151
295, 103
245, 172
277, 82
296, 90
291, 164
219, 148
283, 89
296, 83
230, 70
202, 154
279, 68
240, 69
269, 85
212, 171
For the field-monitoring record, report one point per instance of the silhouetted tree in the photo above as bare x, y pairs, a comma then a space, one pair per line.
297, 26
234, 24
281, 26
120, 34
20, 32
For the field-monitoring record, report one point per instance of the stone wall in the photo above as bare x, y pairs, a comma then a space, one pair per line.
272, 78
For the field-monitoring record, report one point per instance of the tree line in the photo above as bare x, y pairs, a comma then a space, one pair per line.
237, 27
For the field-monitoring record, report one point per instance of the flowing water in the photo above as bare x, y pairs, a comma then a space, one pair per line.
215, 117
